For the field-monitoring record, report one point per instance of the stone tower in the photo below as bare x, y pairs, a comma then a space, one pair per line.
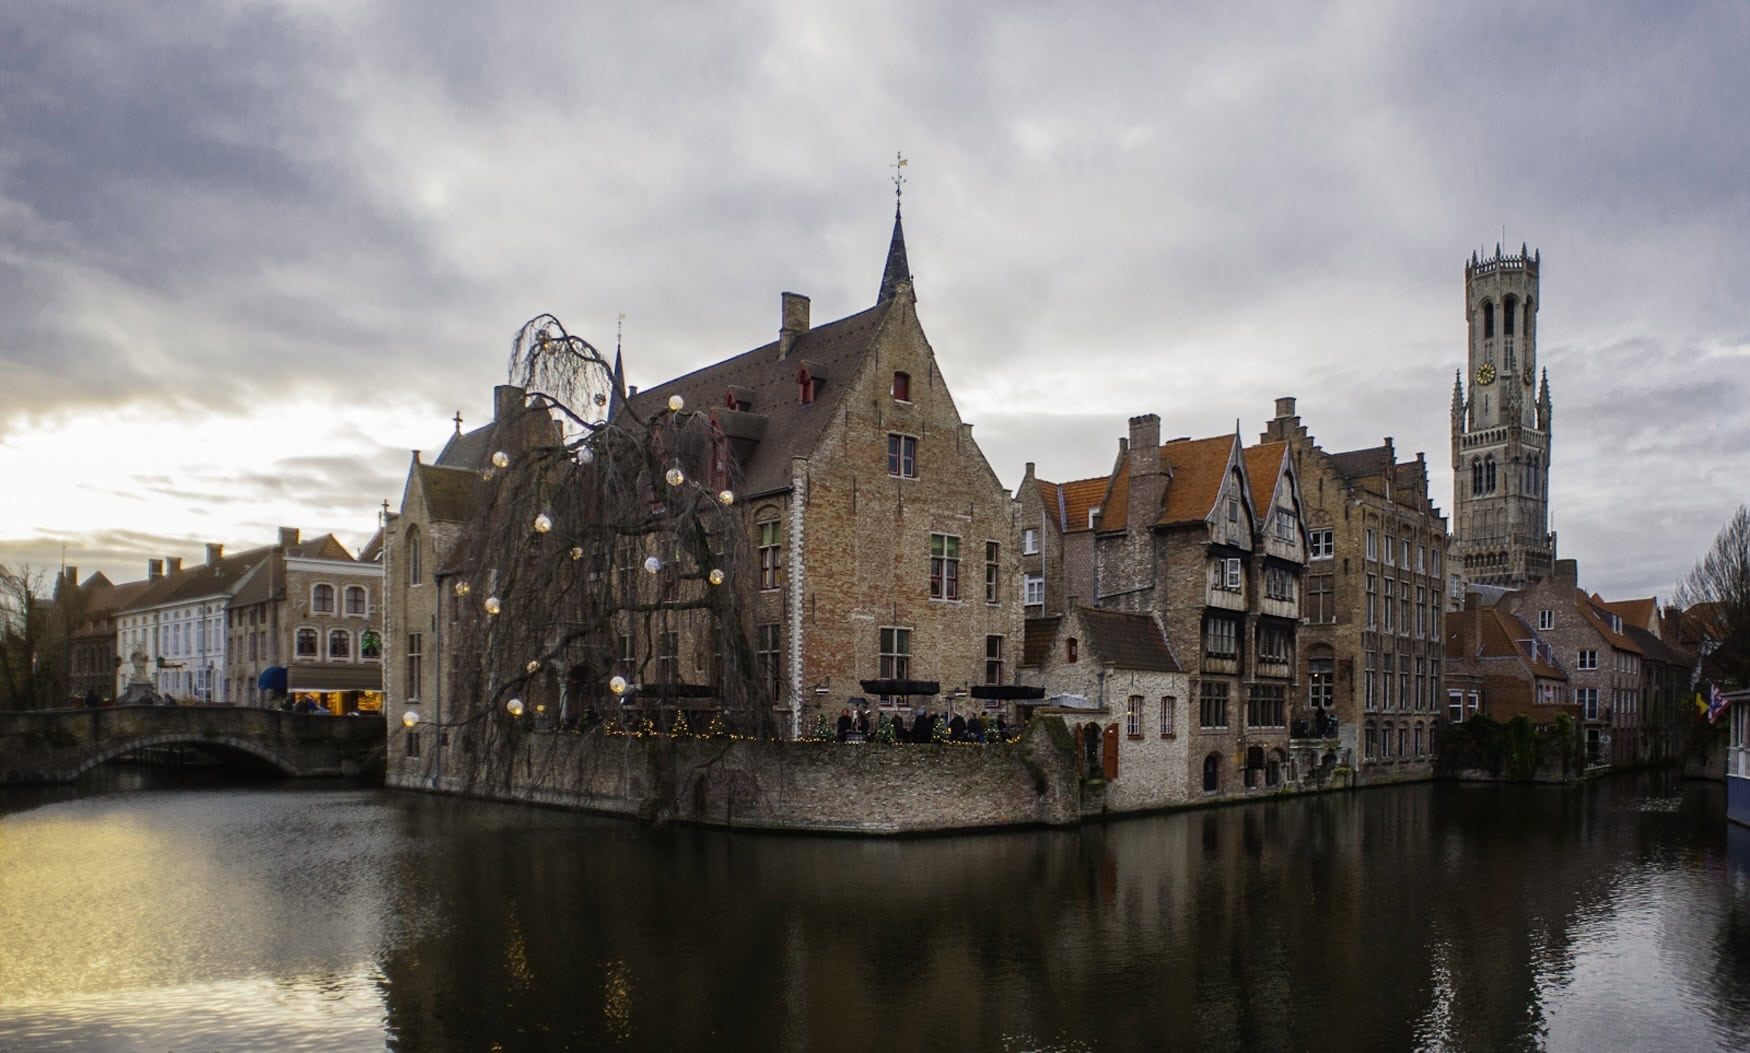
1501, 432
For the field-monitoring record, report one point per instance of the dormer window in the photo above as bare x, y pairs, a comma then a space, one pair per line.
1072, 650
1093, 515
804, 386
902, 387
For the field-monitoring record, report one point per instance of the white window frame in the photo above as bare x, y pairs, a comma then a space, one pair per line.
1033, 590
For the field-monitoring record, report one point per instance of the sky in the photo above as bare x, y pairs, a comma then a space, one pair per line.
254, 254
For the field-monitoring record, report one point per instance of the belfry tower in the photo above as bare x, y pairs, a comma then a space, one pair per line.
1501, 433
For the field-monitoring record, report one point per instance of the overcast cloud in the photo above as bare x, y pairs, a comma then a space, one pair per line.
252, 254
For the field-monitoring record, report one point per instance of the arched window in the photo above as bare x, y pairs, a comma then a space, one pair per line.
1488, 319
1212, 773
339, 643
1476, 475
1489, 473
1509, 308
415, 558
308, 643
1072, 650
322, 599
355, 601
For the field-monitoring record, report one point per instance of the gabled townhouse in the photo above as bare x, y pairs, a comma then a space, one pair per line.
1603, 663
1665, 691
177, 625
1057, 538
883, 550
1371, 635
1207, 536
1498, 668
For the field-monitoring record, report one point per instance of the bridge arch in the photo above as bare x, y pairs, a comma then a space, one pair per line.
218, 745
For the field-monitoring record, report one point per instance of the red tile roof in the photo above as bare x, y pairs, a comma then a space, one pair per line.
1198, 468
1263, 467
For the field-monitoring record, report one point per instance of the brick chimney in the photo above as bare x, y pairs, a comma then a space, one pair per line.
1567, 572
154, 569
215, 552
288, 536
506, 400
1143, 462
793, 321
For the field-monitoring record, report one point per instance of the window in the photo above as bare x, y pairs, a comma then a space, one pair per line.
1318, 689
668, 656
1421, 683
1133, 717
993, 659
1287, 524
895, 653
1320, 544
1212, 704
1434, 562
1372, 742
628, 657
1212, 773
1390, 606
1588, 660
1391, 548
1421, 610
1233, 510
1267, 706
1372, 543
944, 567
1225, 574
1385, 743
412, 741
415, 560
1030, 541
1421, 559
902, 456
902, 387
308, 643
993, 574
1587, 697
1072, 650
1168, 705
355, 601
1386, 680
322, 599
1275, 643
1546, 619
1220, 638
770, 660
805, 386
1418, 740
1321, 606
1033, 590
1278, 583
1489, 473
1406, 553
339, 644
370, 645
1372, 600
771, 565
415, 665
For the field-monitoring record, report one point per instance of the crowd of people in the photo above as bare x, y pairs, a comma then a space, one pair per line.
925, 727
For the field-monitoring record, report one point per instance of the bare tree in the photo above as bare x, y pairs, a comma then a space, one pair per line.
1715, 595
30, 645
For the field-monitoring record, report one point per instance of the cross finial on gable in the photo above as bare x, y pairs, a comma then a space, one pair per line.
899, 162
458, 422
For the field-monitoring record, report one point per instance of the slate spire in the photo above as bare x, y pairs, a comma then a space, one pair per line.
898, 270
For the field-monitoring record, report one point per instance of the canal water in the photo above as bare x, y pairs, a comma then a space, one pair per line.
199, 915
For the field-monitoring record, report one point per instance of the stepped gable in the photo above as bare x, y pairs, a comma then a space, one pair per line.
1127, 641
777, 425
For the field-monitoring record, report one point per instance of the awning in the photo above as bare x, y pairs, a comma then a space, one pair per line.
1074, 702
901, 687
335, 678
273, 679
1006, 692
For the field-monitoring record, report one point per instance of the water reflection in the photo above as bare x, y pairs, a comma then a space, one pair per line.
1460, 918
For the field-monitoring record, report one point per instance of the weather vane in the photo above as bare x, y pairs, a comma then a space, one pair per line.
899, 162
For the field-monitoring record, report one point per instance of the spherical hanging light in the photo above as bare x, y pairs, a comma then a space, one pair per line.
543, 523
652, 565
585, 454
492, 605
501, 459
617, 685
726, 497
601, 399
715, 577
533, 666
515, 707
675, 476
676, 403
576, 553
462, 588
410, 718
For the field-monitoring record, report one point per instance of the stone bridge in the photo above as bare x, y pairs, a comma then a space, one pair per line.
59, 745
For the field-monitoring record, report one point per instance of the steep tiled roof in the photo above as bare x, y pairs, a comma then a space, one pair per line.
1069, 503
1198, 467
834, 352
1632, 612
199, 581
449, 492
1037, 646
1127, 641
1599, 619
1356, 464
1263, 465
1494, 633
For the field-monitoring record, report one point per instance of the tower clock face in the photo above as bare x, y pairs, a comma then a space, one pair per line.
1486, 373
1530, 374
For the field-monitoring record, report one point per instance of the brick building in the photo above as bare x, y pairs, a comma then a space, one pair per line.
884, 548
1370, 638
1498, 668
1207, 536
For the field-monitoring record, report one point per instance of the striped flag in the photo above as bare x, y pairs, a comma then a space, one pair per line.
1716, 703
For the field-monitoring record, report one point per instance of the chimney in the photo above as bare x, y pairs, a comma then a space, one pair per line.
288, 536
1285, 407
71, 575
154, 569
215, 553
1567, 572
173, 564
794, 321
506, 400
1143, 462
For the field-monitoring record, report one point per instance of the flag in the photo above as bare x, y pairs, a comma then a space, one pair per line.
1716, 704
1700, 705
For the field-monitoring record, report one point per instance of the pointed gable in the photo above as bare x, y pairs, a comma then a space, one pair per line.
1198, 469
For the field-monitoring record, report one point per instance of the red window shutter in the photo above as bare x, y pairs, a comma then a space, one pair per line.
1109, 755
